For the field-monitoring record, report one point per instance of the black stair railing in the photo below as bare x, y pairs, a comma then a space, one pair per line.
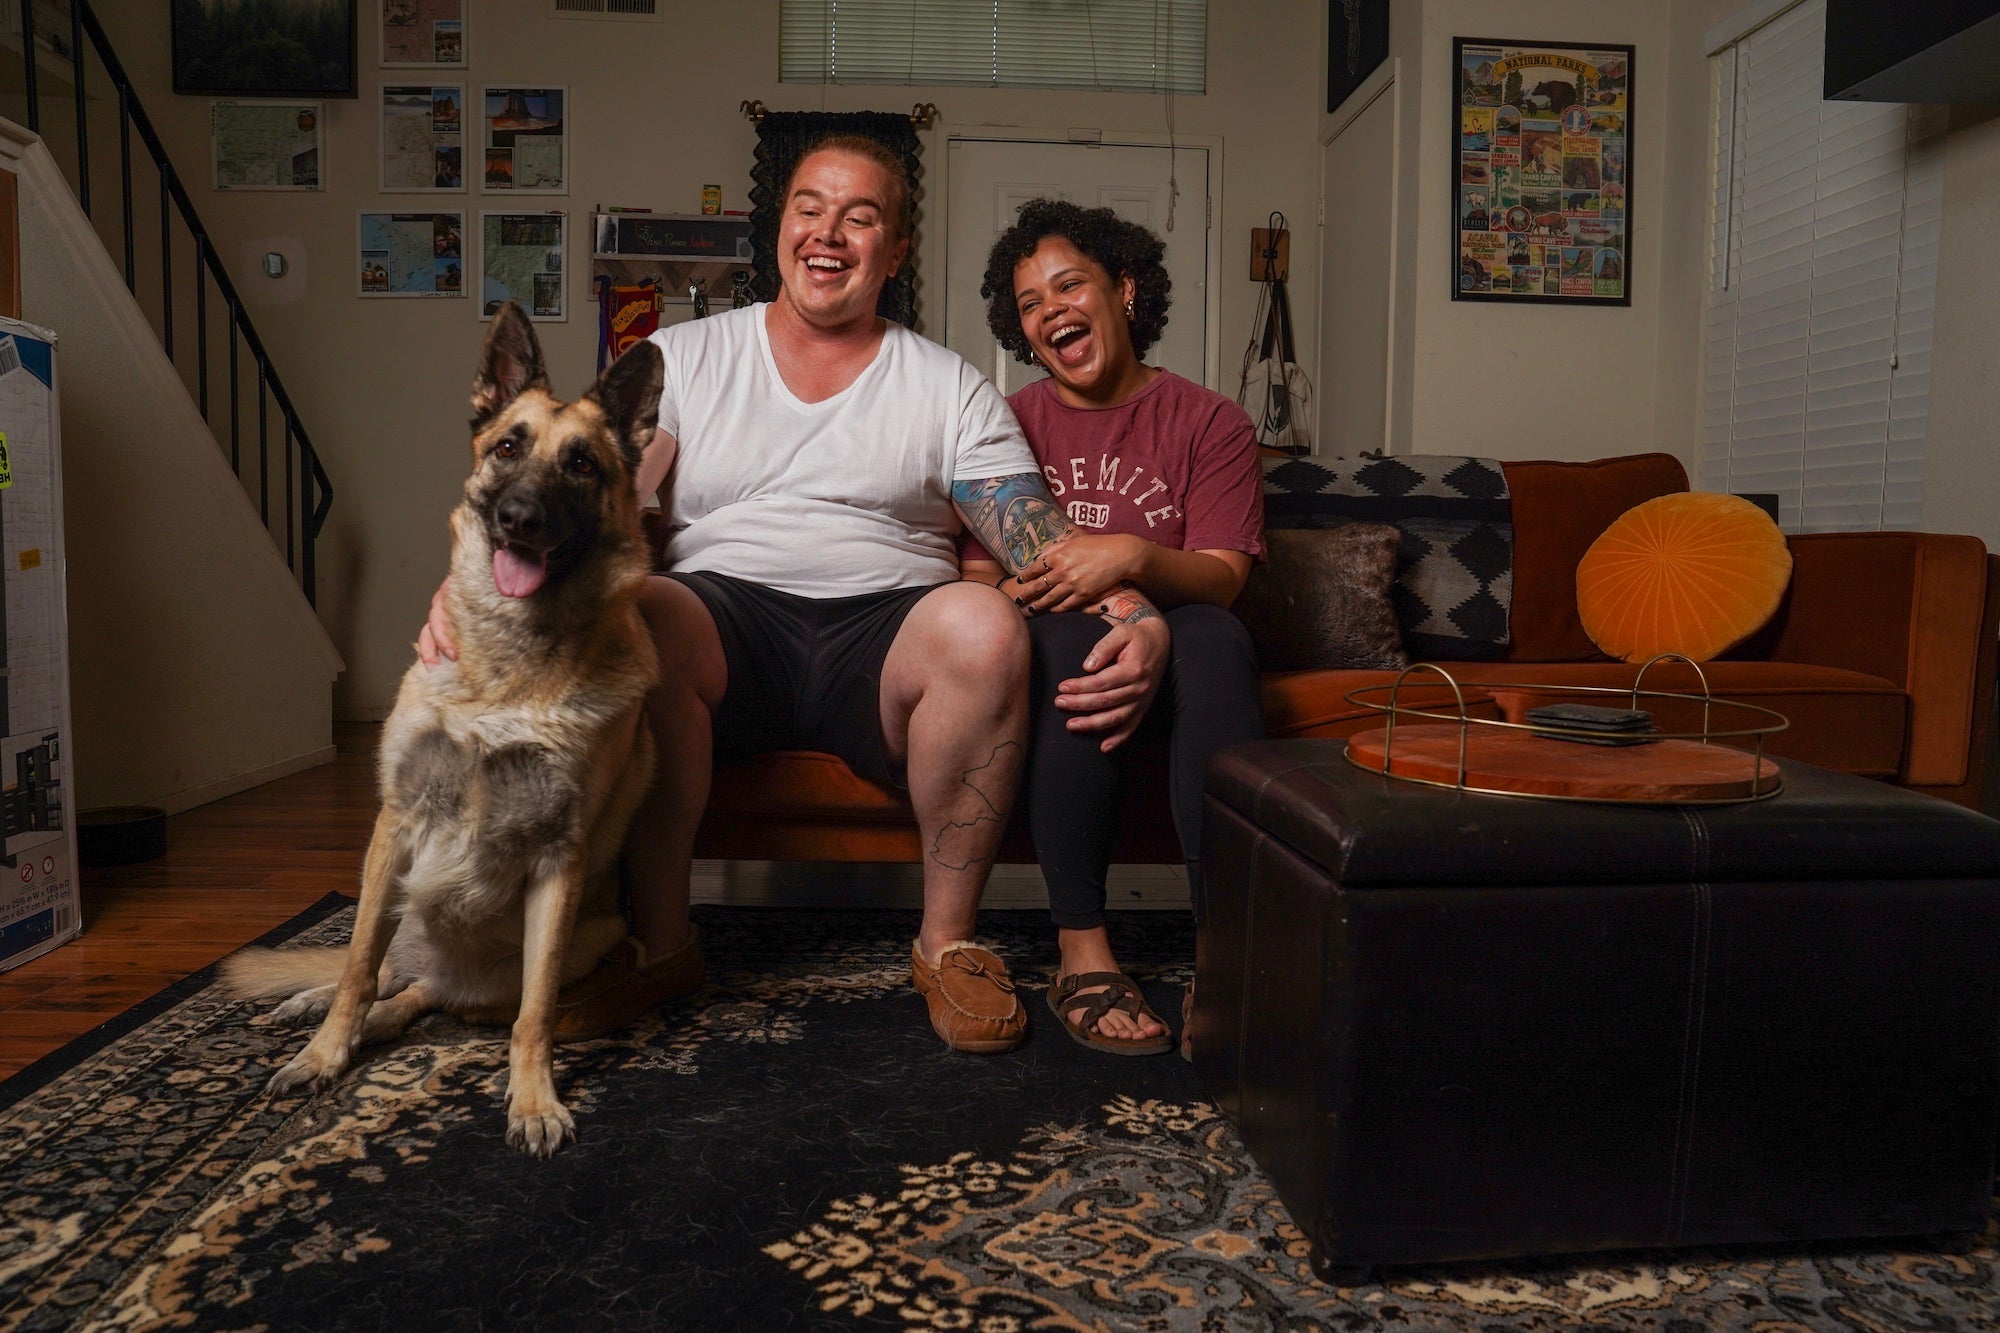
307, 493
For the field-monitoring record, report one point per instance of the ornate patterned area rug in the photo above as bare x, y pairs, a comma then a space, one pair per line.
789, 1149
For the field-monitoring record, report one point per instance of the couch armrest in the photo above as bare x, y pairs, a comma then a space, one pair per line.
1917, 609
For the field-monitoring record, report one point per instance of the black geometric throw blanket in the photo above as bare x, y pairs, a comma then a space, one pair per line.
790, 1148
1454, 584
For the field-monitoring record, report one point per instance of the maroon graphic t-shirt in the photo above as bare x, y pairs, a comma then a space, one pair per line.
1175, 463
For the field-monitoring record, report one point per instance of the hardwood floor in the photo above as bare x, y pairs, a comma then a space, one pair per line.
233, 869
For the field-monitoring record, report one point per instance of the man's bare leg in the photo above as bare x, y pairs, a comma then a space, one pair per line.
659, 848
955, 712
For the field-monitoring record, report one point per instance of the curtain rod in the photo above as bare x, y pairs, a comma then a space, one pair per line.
921, 115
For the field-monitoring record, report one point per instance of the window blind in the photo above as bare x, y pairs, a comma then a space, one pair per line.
1823, 271
1118, 45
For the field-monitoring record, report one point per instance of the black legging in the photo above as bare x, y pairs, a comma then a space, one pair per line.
1208, 700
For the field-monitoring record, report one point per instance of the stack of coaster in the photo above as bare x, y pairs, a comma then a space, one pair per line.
1592, 724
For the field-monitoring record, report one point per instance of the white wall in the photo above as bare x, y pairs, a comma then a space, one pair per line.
1530, 380
196, 668
1541, 381
381, 385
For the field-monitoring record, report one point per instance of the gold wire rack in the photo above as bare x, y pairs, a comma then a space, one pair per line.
1757, 787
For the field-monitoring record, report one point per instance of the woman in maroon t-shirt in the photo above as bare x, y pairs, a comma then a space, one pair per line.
1160, 475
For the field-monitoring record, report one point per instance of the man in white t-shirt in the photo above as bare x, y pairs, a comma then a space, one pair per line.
814, 463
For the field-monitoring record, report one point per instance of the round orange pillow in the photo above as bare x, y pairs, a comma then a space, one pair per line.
1692, 573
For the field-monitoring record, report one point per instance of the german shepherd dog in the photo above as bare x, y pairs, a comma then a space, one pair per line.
507, 778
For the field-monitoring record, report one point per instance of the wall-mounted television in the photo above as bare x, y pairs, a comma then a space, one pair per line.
1913, 50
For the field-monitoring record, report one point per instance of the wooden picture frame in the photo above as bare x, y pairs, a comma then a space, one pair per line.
1541, 172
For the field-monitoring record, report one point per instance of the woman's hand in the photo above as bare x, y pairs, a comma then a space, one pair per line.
1123, 674
436, 639
1077, 572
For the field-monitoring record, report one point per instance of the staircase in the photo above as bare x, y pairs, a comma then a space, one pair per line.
196, 315
192, 495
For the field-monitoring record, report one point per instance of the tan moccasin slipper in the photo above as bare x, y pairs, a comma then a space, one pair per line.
626, 984
971, 998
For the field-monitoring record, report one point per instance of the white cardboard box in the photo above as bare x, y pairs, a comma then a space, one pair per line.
39, 886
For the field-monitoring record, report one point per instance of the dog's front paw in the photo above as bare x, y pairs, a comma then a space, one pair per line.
539, 1132
310, 1070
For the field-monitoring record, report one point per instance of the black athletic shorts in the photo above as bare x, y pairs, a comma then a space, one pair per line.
805, 673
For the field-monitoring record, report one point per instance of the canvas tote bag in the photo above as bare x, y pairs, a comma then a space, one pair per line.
1274, 390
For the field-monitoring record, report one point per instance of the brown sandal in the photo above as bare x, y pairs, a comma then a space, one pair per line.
1119, 993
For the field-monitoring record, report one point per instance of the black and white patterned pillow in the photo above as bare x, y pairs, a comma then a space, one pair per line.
1454, 584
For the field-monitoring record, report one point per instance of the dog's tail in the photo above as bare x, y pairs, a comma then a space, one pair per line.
268, 974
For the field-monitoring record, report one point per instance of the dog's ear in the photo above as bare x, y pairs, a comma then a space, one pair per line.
509, 365
629, 394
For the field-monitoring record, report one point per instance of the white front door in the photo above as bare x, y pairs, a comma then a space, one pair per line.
987, 180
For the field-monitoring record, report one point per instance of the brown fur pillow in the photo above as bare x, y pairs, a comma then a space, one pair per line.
1321, 599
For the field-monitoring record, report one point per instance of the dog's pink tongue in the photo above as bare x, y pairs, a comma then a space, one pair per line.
517, 575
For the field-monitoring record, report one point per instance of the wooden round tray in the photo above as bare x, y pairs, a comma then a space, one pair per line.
1512, 762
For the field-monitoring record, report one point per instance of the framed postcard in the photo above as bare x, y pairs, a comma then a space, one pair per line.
1542, 172
423, 138
1357, 40
275, 48
422, 33
526, 140
267, 145
411, 254
522, 257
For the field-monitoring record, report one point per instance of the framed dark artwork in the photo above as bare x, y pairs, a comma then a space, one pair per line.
1541, 172
1357, 40
265, 48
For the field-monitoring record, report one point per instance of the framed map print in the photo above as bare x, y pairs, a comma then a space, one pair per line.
422, 33
1541, 172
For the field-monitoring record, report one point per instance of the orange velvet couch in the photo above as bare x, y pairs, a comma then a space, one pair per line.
1882, 656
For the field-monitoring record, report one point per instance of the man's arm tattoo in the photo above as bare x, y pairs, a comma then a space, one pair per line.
958, 841
1016, 519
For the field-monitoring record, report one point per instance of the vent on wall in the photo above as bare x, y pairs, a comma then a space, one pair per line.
605, 9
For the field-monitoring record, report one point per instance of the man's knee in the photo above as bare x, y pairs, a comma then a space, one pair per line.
684, 638
972, 632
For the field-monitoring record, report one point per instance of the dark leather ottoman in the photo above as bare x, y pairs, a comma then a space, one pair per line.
1454, 1026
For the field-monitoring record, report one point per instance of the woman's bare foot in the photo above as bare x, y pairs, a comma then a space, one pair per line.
1090, 951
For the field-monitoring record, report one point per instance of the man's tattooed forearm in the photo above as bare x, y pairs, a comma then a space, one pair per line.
1014, 517
1125, 605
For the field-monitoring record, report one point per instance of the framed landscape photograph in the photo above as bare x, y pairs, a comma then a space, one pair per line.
527, 140
1542, 172
265, 48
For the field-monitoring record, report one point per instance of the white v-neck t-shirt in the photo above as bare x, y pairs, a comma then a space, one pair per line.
831, 499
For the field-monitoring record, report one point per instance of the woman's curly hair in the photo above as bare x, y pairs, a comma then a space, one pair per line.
1122, 248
